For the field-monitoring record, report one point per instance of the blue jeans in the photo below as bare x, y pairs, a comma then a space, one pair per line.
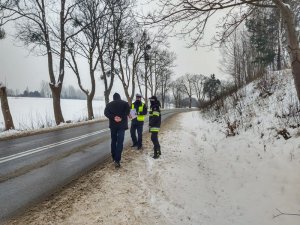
117, 139
137, 126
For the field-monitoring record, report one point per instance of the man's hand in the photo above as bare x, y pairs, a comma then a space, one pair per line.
117, 119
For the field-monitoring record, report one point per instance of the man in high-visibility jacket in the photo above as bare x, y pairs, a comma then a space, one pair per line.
137, 122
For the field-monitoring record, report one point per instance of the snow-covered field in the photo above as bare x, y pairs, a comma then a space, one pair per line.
202, 177
34, 113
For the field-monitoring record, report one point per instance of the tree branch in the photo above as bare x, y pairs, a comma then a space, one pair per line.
285, 214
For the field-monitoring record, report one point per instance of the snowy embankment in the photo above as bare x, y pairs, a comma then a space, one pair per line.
267, 107
202, 177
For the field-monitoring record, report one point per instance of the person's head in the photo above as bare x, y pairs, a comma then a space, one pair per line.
116, 96
154, 101
138, 97
153, 98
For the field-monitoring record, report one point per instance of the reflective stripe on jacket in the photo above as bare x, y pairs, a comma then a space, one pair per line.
154, 113
154, 129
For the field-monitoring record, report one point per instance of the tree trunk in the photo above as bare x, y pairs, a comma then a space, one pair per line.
190, 103
106, 96
125, 87
146, 84
9, 124
163, 94
90, 97
293, 47
279, 56
134, 66
56, 103
90, 107
122, 78
279, 67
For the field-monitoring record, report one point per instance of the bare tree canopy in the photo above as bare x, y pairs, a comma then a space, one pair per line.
194, 16
47, 25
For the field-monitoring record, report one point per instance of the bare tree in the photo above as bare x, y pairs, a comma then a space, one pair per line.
151, 47
4, 18
239, 58
147, 44
161, 63
91, 16
198, 82
188, 86
118, 11
165, 82
176, 89
5, 109
44, 25
164, 63
195, 15
129, 57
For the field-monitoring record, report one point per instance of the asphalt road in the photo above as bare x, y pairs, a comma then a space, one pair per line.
34, 167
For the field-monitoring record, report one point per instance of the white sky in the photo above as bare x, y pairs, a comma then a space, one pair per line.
20, 69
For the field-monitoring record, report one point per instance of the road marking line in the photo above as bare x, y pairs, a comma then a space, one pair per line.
43, 148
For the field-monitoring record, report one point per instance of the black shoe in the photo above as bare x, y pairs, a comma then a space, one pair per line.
117, 164
139, 147
133, 146
156, 156
157, 150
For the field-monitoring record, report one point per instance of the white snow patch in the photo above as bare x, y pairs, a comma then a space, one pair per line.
36, 113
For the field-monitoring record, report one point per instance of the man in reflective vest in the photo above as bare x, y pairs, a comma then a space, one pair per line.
138, 112
154, 124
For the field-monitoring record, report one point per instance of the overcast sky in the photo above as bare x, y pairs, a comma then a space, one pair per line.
20, 69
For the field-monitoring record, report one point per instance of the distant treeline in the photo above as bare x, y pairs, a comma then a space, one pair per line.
68, 92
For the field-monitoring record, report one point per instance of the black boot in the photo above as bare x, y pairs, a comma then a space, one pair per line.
156, 154
158, 150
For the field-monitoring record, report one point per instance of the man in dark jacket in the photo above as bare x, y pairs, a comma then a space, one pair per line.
117, 112
137, 122
154, 124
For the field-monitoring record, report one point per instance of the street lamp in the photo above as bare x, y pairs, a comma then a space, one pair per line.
147, 47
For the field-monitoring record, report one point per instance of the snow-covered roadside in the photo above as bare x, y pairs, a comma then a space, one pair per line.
201, 178
10, 134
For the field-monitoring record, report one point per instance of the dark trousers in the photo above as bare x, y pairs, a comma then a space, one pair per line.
154, 139
137, 126
117, 139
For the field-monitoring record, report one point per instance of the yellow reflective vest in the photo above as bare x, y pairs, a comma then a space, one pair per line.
140, 118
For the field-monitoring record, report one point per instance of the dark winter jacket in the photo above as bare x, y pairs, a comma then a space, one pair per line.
120, 108
154, 115
137, 104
